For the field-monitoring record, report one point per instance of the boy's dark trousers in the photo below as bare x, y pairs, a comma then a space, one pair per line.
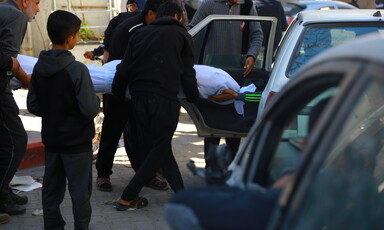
13, 141
118, 115
157, 119
77, 169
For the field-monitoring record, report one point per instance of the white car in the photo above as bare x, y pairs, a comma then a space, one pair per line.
310, 33
294, 7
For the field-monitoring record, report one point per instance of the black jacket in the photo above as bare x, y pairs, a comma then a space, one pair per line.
5, 63
112, 25
159, 58
121, 34
62, 93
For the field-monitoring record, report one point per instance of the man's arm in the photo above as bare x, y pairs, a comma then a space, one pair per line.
188, 79
255, 43
6, 62
89, 103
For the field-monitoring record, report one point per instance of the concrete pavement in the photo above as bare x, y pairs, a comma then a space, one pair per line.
186, 146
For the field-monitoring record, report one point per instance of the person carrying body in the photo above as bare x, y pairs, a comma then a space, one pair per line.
159, 59
14, 18
62, 93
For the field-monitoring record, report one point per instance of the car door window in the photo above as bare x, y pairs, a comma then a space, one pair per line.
228, 50
282, 151
347, 192
293, 140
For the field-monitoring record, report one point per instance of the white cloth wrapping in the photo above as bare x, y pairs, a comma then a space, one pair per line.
102, 76
210, 80
239, 105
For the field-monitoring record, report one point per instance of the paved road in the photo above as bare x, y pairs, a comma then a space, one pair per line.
186, 146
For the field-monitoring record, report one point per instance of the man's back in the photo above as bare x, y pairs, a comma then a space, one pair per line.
121, 35
161, 58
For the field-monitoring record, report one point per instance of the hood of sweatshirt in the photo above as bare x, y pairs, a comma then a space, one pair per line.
167, 20
52, 61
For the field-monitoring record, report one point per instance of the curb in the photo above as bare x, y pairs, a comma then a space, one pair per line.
34, 155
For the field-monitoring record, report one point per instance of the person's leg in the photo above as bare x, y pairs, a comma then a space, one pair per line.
78, 169
156, 121
54, 184
131, 138
233, 143
16, 132
210, 142
115, 118
7, 205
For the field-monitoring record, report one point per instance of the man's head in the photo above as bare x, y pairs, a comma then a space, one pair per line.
29, 7
170, 9
132, 6
63, 28
150, 9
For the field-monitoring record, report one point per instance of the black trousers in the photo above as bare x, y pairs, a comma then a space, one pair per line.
118, 117
77, 169
157, 119
13, 141
232, 142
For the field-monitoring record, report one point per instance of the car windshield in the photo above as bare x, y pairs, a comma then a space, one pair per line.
318, 37
347, 192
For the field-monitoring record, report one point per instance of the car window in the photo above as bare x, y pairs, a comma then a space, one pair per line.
290, 147
282, 151
318, 37
213, 49
347, 192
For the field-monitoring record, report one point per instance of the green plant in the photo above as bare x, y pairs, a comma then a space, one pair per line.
86, 34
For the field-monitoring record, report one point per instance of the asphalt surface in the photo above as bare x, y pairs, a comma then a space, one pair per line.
186, 145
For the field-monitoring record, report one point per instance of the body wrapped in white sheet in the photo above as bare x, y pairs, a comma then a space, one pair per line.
210, 80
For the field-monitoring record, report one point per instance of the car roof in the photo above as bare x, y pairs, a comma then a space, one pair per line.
367, 47
347, 15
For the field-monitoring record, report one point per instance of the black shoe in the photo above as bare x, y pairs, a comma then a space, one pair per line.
20, 200
10, 207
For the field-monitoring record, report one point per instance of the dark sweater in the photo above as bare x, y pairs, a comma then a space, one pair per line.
121, 34
62, 93
5, 62
159, 58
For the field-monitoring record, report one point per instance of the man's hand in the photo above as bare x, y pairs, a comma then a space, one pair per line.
226, 95
19, 73
88, 54
249, 63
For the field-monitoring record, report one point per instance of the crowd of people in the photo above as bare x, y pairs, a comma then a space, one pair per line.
157, 56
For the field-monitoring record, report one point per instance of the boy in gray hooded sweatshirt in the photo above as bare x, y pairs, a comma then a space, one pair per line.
62, 93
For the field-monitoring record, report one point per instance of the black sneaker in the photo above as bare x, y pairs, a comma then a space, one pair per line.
20, 200
10, 207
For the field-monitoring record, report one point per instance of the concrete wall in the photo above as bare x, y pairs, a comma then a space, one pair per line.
37, 39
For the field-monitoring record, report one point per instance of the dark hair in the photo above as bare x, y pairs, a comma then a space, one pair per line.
62, 24
153, 5
131, 2
169, 9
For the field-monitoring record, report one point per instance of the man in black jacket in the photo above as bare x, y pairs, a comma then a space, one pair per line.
118, 112
159, 59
